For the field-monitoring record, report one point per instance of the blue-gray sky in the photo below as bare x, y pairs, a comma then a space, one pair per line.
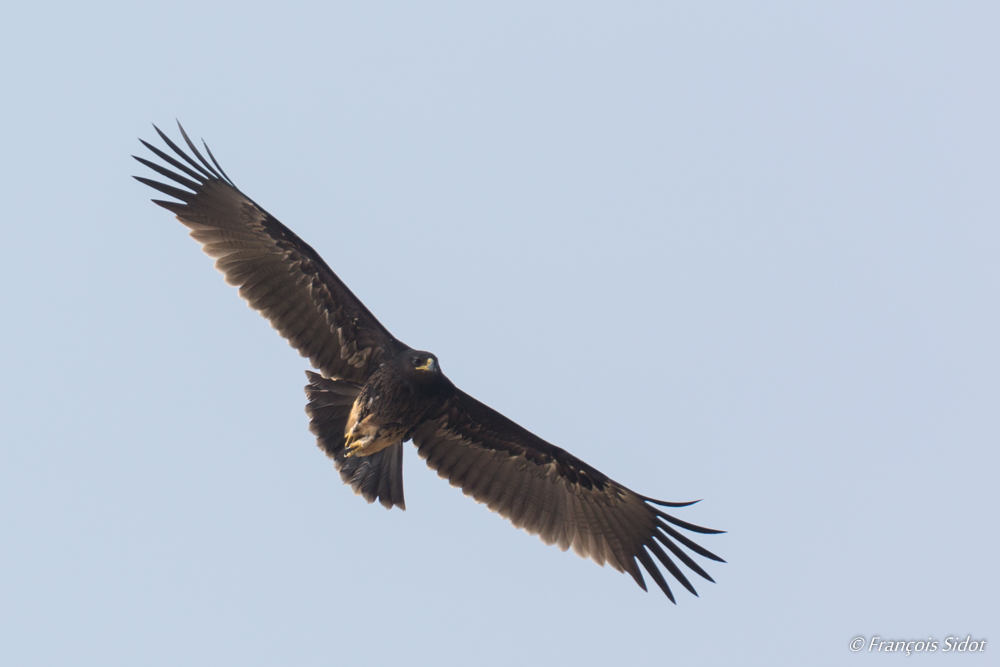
741, 253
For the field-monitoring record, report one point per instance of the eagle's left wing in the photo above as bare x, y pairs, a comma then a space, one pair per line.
550, 493
278, 274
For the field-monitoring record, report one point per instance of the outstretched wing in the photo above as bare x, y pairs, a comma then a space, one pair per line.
551, 493
278, 273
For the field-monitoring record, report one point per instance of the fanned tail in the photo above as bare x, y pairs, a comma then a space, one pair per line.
376, 477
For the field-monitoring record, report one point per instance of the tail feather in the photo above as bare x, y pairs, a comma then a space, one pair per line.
375, 477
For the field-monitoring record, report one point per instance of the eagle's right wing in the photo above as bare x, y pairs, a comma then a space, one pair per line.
550, 493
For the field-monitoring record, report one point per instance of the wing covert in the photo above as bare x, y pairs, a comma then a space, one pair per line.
277, 273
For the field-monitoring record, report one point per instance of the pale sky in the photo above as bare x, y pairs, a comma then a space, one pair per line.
743, 254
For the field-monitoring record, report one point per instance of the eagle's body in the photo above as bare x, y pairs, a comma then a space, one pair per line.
373, 393
397, 397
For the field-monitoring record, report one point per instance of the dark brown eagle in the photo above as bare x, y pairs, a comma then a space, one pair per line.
373, 393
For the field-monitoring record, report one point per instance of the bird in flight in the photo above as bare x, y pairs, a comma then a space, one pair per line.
373, 393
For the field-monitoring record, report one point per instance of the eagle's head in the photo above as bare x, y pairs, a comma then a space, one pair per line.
419, 366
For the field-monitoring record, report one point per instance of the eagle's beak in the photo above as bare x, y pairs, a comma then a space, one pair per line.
429, 365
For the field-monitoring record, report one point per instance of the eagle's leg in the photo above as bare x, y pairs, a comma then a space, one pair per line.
364, 439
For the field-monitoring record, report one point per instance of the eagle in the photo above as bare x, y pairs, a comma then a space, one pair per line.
372, 393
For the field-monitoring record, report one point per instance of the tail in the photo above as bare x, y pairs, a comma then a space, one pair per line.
378, 476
